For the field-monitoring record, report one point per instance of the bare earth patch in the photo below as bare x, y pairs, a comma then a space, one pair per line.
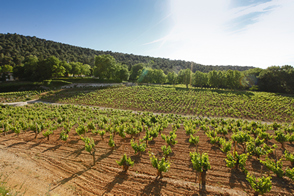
42, 167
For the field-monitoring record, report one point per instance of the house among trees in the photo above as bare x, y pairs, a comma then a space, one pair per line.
6, 76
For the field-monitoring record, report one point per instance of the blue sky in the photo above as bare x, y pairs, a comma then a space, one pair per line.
212, 32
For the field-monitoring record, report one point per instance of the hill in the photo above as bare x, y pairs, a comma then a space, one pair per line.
14, 48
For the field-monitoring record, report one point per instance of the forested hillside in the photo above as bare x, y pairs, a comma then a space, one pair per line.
14, 48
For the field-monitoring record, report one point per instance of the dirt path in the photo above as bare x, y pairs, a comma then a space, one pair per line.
24, 174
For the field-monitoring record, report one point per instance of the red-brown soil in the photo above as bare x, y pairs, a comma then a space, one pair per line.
66, 168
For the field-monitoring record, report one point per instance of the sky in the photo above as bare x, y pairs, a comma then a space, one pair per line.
257, 33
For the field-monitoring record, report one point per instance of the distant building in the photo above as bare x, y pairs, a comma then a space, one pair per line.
8, 76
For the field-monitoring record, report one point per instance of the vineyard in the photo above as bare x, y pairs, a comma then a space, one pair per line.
197, 101
18, 96
116, 152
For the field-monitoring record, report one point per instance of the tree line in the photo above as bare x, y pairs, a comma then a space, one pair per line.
31, 58
273, 79
15, 48
278, 79
34, 69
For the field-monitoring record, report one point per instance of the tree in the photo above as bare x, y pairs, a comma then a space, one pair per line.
277, 79
85, 69
217, 79
58, 70
67, 67
199, 79
158, 76
76, 68
213, 79
146, 76
30, 68
221, 79
233, 79
135, 71
122, 72
49, 68
105, 66
184, 77
172, 77
6, 68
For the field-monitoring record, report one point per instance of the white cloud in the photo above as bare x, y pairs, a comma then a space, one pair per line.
201, 33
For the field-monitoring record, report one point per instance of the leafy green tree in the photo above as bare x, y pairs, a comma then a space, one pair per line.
200, 79
30, 68
49, 68
67, 67
221, 79
136, 71
76, 68
146, 76
277, 79
58, 70
184, 77
158, 76
105, 66
122, 72
241, 138
233, 79
85, 69
6, 68
213, 79
172, 77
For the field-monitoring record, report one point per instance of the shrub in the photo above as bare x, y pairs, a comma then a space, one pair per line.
90, 147
260, 185
166, 151
200, 164
274, 165
161, 165
125, 162
138, 147
237, 161
193, 140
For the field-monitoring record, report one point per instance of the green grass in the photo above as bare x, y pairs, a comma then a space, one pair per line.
4, 191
